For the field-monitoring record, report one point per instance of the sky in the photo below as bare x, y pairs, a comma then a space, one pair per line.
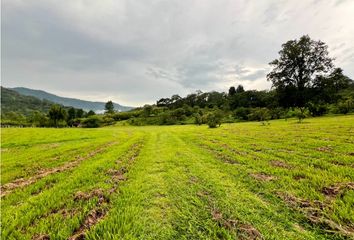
135, 52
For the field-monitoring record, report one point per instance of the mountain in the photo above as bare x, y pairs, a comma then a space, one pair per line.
12, 101
76, 103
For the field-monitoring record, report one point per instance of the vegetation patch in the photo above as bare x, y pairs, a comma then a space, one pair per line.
175, 182
22, 182
314, 213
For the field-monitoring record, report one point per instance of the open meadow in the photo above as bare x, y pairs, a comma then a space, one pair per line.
284, 180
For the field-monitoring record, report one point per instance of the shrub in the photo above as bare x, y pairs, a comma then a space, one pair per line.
300, 113
345, 106
91, 122
316, 109
259, 114
198, 119
242, 113
214, 119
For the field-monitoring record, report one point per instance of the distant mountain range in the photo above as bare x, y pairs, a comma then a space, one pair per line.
98, 107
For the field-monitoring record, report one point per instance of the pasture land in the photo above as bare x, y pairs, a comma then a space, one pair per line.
240, 181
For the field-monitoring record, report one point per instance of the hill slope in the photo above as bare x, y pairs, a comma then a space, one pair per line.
12, 101
76, 103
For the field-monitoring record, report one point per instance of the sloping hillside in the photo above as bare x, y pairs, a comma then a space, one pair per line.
12, 101
77, 103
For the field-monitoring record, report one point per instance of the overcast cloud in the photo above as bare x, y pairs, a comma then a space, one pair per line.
135, 52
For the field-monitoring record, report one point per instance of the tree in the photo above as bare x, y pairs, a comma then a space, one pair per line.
232, 91
90, 113
294, 73
71, 113
109, 107
147, 110
92, 122
328, 87
79, 113
38, 119
240, 89
198, 119
56, 114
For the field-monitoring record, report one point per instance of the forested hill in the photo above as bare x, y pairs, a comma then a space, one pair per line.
76, 103
12, 101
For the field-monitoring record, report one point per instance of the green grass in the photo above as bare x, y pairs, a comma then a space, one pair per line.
240, 181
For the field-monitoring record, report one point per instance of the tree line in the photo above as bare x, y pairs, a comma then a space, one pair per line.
304, 80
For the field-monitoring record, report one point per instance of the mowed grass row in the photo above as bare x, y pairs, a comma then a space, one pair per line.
57, 205
34, 150
240, 181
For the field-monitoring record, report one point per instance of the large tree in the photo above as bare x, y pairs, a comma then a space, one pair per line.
294, 72
56, 114
109, 107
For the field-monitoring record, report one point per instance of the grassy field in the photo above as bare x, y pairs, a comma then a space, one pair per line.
240, 181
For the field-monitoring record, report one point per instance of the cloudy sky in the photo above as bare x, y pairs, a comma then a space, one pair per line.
137, 51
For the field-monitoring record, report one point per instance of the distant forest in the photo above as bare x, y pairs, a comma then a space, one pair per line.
304, 80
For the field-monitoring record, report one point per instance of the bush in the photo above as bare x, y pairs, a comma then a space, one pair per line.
198, 119
214, 119
242, 113
277, 113
91, 122
108, 119
259, 114
300, 113
316, 109
345, 106
126, 115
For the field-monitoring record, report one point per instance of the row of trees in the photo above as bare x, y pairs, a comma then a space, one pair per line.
60, 116
304, 82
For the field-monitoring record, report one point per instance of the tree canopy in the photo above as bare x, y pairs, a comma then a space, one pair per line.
109, 107
300, 63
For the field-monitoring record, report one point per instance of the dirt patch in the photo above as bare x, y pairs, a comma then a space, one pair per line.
244, 230
203, 193
216, 214
232, 149
351, 154
336, 189
222, 156
314, 213
95, 215
247, 231
93, 218
41, 237
226, 159
338, 163
118, 175
299, 176
219, 155
302, 203
193, 180
22, 182
262, 177
325, 149
99, 212
82, 196
277, 163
